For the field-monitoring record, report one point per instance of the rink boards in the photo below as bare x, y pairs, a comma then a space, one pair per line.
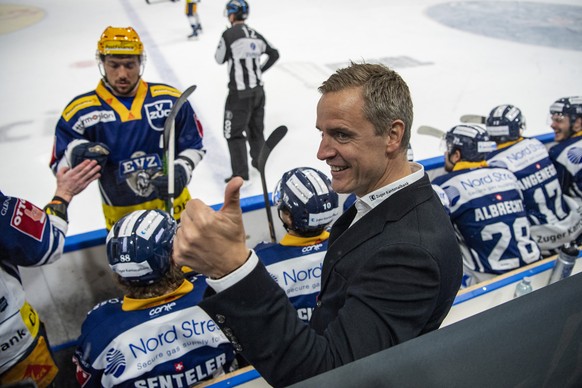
65, 291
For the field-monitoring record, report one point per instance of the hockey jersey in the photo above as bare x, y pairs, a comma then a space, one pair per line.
567, 157
554, 218
133, 130
295, 264
488, 213
242, 47
29, 237
160, 342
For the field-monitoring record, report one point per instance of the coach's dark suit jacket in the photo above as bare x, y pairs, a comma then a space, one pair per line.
391, 277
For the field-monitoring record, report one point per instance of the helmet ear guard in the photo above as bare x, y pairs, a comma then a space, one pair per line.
307, 195
139, 246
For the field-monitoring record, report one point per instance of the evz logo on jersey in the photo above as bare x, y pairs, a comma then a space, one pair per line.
157, 112
92, 118
139, 163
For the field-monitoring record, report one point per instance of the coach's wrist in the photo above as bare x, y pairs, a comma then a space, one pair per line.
236, 264
219, 285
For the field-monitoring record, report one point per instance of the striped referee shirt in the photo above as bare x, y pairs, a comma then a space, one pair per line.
243, 47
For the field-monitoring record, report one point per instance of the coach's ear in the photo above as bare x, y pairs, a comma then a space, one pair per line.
394, 137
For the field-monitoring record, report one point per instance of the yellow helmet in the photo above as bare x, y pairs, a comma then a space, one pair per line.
119, 41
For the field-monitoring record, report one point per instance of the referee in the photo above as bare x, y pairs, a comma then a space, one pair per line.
244, 110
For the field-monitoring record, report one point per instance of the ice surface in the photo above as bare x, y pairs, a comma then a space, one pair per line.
456, 57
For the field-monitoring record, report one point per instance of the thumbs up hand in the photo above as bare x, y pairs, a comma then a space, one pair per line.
211, 242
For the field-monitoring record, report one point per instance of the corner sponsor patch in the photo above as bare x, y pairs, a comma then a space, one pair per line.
78, 104
28, 219
92, 118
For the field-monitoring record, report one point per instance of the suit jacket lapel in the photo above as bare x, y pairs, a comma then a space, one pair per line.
344, 239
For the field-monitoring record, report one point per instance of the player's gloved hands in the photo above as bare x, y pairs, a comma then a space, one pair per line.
79, 150
182, 174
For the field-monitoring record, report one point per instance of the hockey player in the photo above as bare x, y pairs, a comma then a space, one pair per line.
244, 111
566, 116
306, 205
120, 124
32, 237
486, 207
155, 336
193, 18
554, 218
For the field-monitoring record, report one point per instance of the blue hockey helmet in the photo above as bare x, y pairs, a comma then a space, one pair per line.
139, 246
472, 140
307, 195
568, 106
238, 8
505, 123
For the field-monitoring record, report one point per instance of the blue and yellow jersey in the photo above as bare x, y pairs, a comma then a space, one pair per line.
132, 128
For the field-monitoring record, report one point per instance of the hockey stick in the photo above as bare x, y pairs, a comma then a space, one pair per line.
430, 131
169, 145
273, 139
476, 119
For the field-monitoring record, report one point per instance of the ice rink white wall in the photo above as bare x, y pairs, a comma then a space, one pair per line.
457, 57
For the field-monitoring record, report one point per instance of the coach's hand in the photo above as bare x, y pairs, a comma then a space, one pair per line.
210, 242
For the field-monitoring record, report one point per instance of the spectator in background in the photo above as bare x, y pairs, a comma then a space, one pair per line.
244, 112
554, 218
120, 124
32, 237
486, 207
306, 205
156, 335
566, 116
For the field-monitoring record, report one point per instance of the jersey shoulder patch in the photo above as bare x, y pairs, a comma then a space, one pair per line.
164, 90
80, 103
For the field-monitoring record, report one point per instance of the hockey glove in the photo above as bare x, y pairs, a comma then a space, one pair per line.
182, 174
80, 150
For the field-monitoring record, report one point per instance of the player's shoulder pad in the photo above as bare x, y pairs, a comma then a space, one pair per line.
263, 245
163, 90
80, 102
106, 305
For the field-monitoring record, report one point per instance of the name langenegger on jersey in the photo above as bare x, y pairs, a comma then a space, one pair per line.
540, 176
498, 209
